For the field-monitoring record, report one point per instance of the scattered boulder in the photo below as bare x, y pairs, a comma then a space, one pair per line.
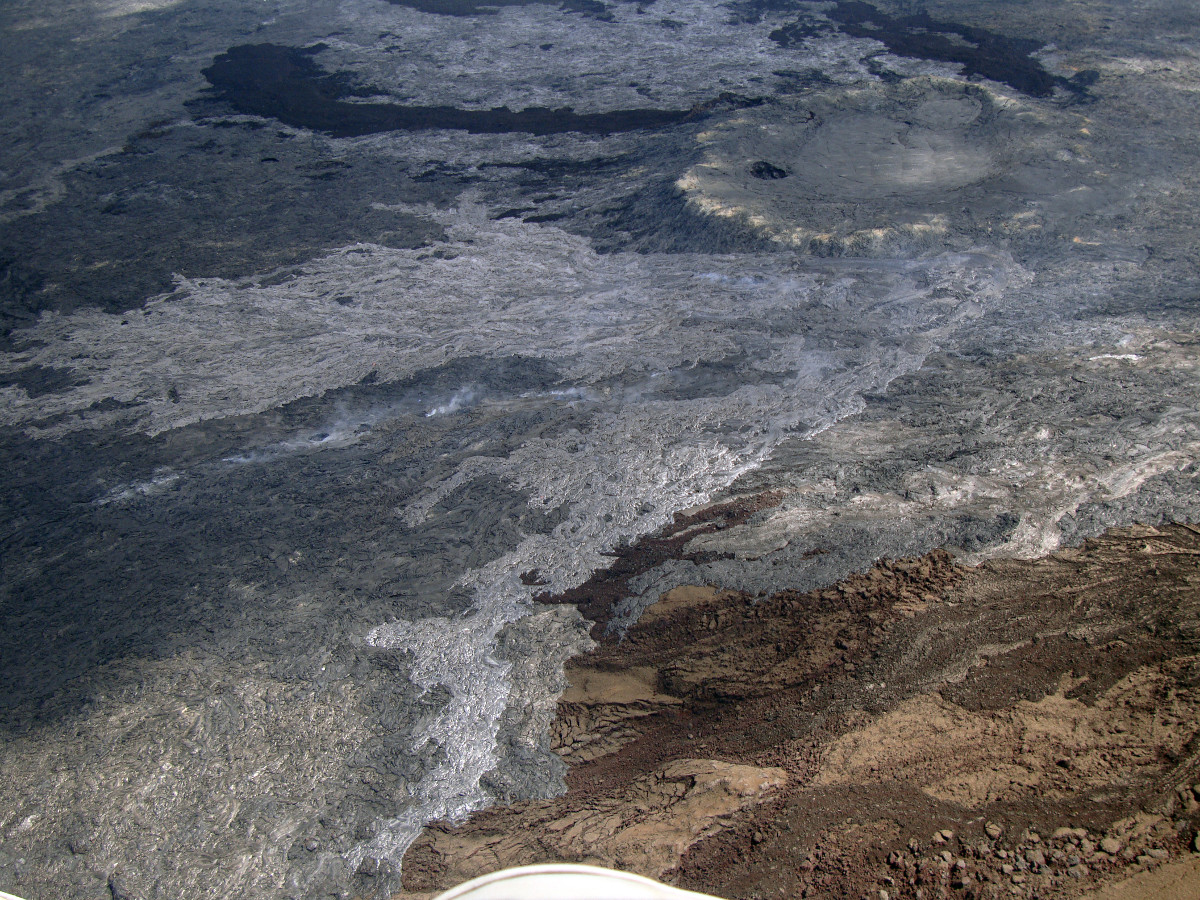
1111, 845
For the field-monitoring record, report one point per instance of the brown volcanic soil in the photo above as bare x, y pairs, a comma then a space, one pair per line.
1020, 729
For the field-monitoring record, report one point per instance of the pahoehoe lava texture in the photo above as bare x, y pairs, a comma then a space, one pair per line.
284, 83
224, 201
428, 345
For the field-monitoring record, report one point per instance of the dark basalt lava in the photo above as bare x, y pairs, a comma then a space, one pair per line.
763, 169
284, 83
591, 8
919, 36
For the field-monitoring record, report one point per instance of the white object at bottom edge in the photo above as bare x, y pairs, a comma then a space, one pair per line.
560, 881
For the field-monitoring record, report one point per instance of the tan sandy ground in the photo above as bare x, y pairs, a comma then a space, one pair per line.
1174, 881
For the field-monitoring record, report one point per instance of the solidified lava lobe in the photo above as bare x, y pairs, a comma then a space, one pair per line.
284, 83
979, 51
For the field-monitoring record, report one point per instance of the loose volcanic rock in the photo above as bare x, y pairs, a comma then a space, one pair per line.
883, 731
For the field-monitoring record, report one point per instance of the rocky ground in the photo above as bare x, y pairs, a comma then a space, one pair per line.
923, 730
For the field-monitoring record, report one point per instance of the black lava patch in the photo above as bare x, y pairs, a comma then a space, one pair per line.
591, 8
919, 36
460, 7
766, 171
284, 83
